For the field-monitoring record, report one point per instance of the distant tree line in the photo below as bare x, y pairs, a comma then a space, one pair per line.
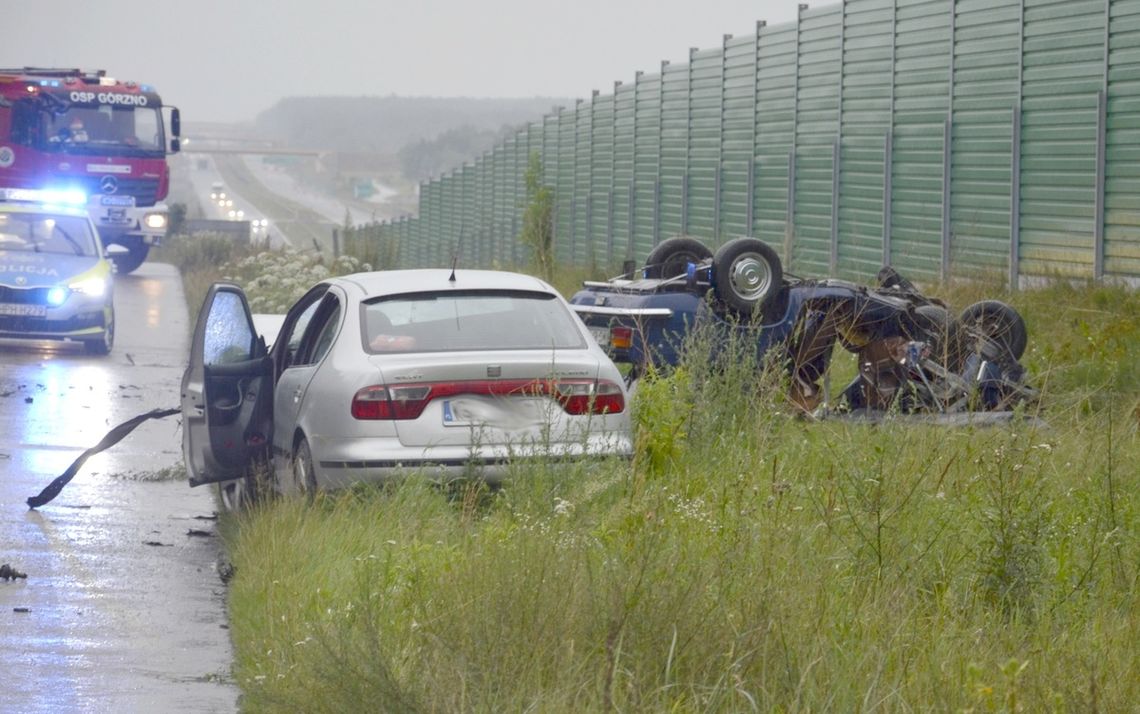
387, 124
427, 158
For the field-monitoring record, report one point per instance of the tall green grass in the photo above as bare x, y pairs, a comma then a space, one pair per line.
745, 560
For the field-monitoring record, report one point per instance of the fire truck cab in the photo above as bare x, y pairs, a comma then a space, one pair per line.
77, 130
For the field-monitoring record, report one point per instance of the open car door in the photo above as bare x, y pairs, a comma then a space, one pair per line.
227, 390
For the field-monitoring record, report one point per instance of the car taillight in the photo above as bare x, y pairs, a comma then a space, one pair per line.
408, 401
586, 396
621, 337
381, 402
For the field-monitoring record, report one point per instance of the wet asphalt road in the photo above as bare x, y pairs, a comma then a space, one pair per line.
111, 623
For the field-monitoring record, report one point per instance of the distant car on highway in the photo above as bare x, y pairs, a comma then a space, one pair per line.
55, 281
217, 191
374, 375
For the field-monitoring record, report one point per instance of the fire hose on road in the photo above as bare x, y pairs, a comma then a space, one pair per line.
113, 437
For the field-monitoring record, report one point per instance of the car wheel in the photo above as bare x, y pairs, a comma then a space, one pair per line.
102, 345
992, 322
129, 261
233, 494
746, 274
303, 473
672, 256
249, 490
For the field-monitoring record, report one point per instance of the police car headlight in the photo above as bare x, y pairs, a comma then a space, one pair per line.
94, 287
57, 296
155, 220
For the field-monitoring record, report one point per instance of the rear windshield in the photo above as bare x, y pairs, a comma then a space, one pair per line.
471, 320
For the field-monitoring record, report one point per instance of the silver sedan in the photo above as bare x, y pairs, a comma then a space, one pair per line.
375, 375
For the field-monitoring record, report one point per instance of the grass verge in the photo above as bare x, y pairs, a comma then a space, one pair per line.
746, 560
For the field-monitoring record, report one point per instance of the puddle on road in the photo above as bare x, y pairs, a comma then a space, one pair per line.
111, 624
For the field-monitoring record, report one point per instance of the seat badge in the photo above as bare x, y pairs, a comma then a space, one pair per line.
494, 370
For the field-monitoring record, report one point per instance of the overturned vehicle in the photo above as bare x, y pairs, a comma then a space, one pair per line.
914, 355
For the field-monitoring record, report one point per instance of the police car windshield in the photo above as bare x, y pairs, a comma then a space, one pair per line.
103, 129
46, 233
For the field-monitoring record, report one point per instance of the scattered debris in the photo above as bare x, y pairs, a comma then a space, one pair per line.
157, 544
213, 517
226, 570
7, 572
199, 534
28, 400
21, 609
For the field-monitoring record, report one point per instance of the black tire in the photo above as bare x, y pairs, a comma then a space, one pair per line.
303, 473
672, 256
101, 346
994, 323
747, 275
131, 260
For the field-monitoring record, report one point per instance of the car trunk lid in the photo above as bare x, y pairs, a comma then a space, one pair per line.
512, 400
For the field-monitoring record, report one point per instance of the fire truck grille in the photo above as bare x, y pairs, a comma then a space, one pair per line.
145, 191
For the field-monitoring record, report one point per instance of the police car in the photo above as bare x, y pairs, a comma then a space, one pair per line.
55, 281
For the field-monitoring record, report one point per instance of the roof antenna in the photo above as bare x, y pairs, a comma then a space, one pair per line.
454, 260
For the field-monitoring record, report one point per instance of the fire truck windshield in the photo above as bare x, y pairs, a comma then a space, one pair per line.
103, 129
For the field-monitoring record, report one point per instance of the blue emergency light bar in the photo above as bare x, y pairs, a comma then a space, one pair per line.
70, 197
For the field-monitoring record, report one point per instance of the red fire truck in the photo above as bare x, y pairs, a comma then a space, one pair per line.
75, 130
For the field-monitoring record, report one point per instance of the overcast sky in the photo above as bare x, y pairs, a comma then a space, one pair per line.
227, 60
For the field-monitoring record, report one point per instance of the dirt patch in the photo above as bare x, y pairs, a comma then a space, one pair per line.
176, 472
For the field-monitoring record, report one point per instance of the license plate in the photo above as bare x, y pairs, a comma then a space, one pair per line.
456, 413
23, 310
116, 215
601, 335
117, 200
514, 413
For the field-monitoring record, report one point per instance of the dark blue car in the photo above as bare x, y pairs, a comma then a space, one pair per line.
913, 353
